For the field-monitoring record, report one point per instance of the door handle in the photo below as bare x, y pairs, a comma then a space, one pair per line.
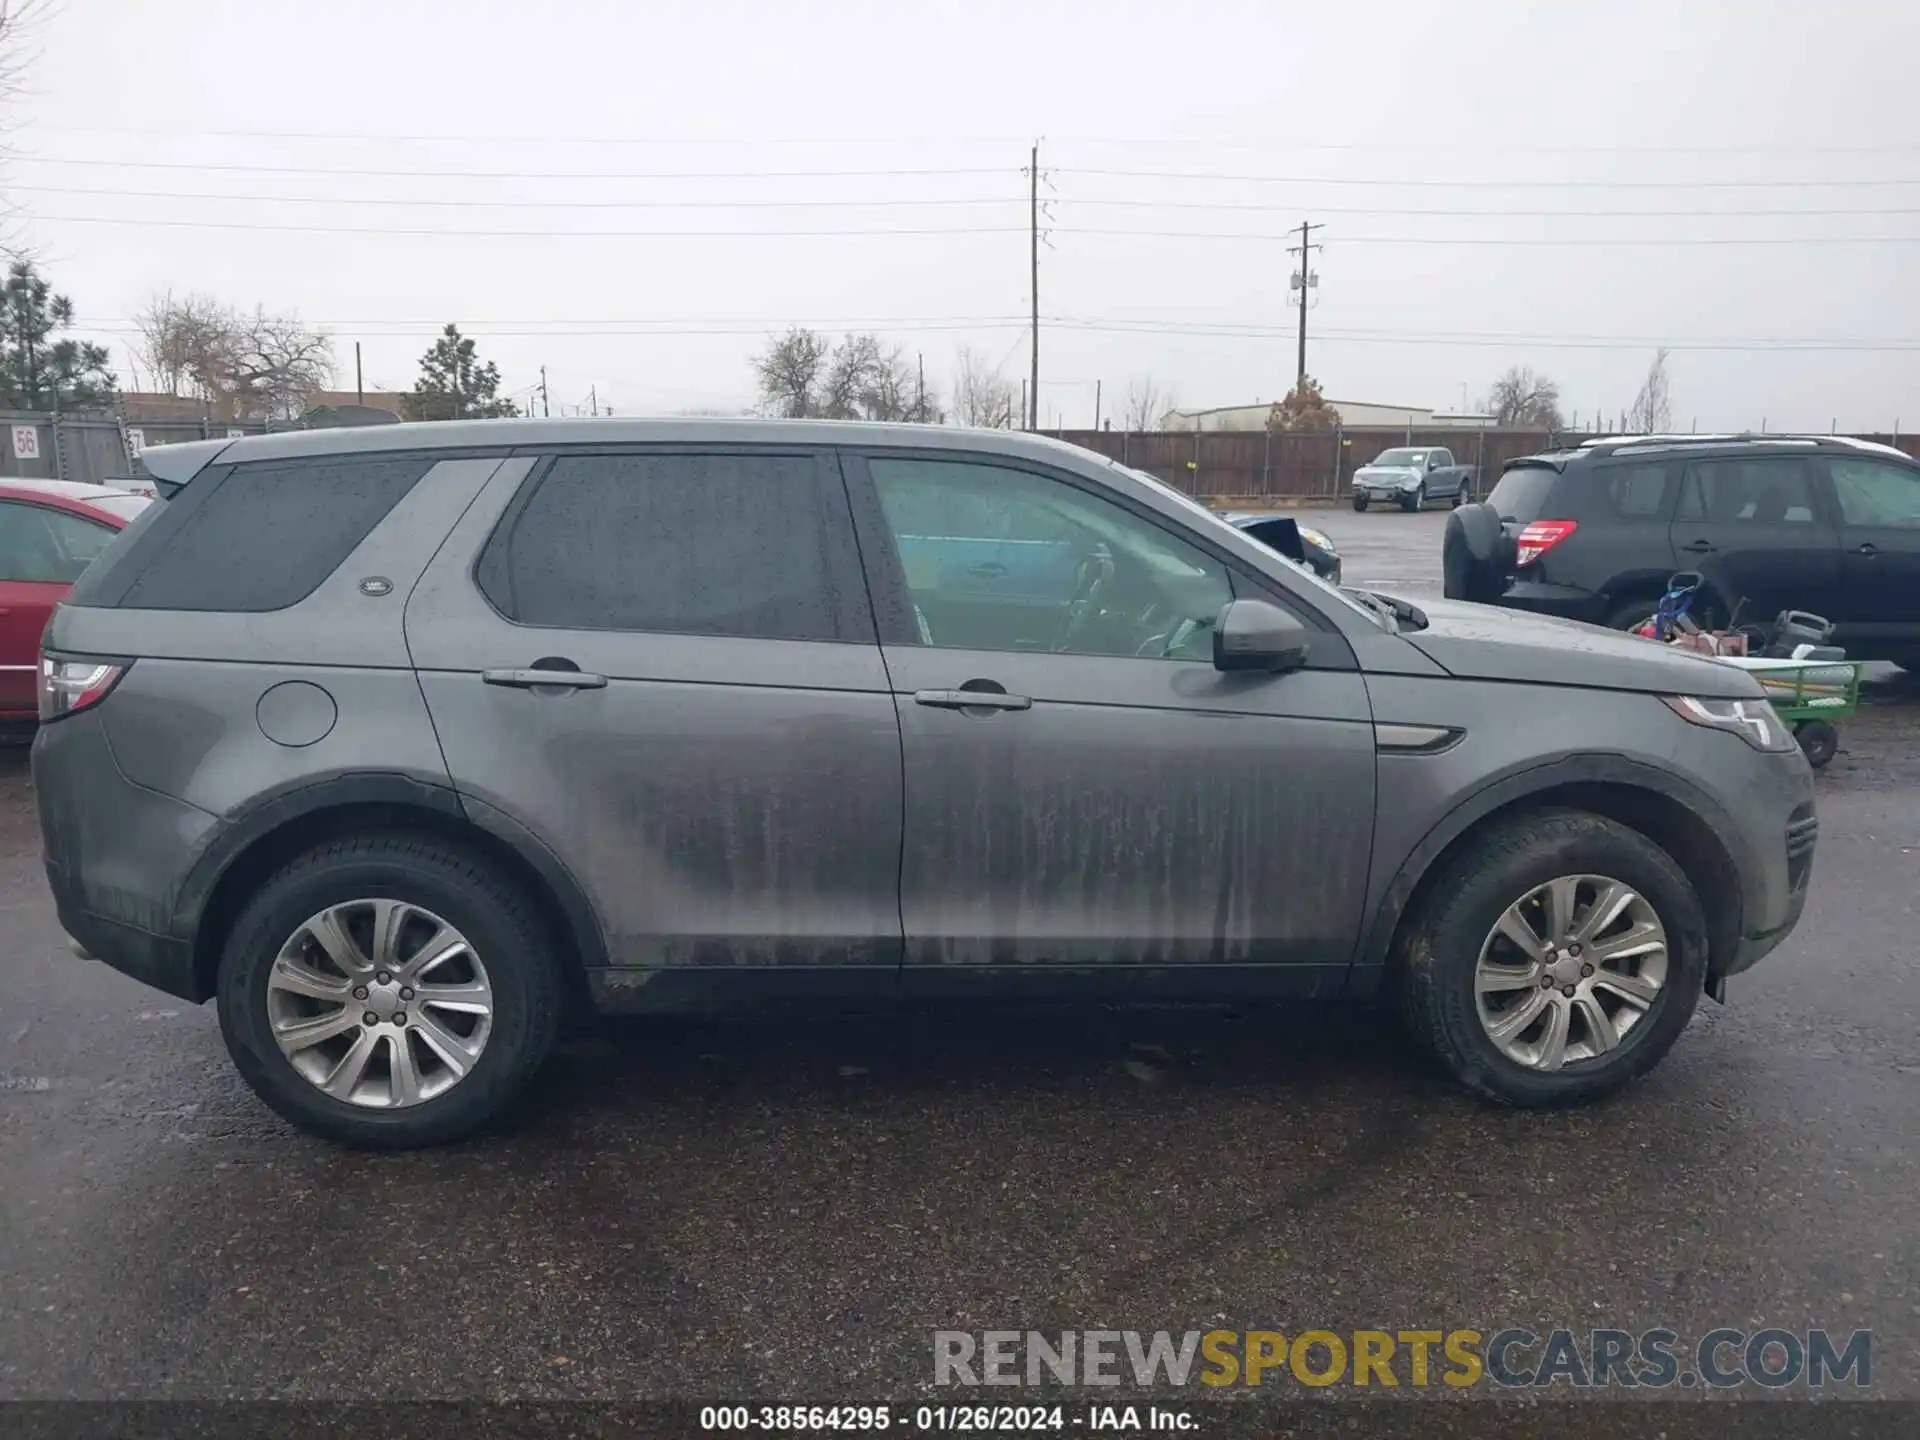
1865, 547
544, 679
1697, 547
971, 700
988, 570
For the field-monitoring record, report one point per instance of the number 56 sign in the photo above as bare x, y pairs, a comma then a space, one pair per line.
26, 442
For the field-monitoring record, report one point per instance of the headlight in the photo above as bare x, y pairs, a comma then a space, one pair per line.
1314, 537
1752, 720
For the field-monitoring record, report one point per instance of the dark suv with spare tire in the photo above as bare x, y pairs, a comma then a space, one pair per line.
400, 742
1824, 524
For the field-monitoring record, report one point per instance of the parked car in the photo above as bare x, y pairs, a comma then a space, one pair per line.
1411, 476
50, 530
396, 742
1300, 543
1816, 523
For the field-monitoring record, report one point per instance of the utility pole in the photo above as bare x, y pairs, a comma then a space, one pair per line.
546, 411
1304, 280
359, 389
1033, 257
593, 401
920, 396
1096, 404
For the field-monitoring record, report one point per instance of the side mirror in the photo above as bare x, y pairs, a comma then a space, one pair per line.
1433, 462
1257, 635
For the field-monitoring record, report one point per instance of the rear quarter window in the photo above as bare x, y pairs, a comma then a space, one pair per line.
261, 538
1522, 492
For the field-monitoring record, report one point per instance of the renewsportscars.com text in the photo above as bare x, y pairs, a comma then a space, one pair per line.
1391, 1359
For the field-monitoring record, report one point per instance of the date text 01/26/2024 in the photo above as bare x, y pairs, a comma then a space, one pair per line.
963, 1419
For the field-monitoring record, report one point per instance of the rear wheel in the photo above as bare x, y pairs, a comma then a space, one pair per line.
1631, 614
1819, 741
1461, 497
389, 992
1413, 502
1556, 960
1359, 502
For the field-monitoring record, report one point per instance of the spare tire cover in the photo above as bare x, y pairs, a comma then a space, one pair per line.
1476, 555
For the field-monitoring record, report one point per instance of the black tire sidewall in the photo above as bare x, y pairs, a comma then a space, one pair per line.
1819, 742
1499, 875
1360, 503
487, 910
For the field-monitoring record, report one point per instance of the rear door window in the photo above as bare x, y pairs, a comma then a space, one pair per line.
1639, 492
1771, 490
1522, 492
743, 545
1876, 493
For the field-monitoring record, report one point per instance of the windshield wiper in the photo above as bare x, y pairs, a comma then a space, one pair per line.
1403, 614
1377, 604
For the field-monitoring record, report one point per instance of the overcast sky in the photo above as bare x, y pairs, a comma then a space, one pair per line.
614, 191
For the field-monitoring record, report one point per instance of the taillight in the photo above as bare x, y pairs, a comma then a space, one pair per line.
1539, 536
72, 683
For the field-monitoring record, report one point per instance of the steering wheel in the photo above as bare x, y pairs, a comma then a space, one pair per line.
1089, 582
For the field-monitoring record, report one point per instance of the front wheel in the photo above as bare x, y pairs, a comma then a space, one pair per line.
1359, 502
1413, 502
1557, 959
389, 991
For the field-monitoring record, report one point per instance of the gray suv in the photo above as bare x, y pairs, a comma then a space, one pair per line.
400, 743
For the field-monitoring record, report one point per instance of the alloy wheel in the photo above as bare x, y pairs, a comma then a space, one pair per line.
1569, 971
379, 1003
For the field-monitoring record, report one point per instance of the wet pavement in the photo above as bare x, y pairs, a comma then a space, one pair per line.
788, 1211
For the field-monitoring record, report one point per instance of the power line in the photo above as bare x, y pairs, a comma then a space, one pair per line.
548, 174
1265, 237
951, 201
1109, 142
1424, 183
463, 204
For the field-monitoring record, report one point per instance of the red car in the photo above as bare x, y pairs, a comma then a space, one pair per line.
50, 530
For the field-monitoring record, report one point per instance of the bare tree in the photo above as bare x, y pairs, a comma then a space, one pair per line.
17, 20
802, 376
792, 371
1652, 412
276, 364
1523, 400
981, 395
186, 345
1146, 403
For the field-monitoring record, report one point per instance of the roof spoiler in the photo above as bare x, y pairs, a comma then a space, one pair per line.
172, 466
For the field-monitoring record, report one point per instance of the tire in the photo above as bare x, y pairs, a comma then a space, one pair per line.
1360, 502
1461, 497
1819, 741
1416, 500
1631, 615
437, 881
1440, 949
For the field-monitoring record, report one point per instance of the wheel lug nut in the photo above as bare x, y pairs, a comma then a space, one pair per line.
359, 992
383, 977
399, 1017
371, 1018
1567, 991
1546, 982
405, 994
1585, 970
1574, 950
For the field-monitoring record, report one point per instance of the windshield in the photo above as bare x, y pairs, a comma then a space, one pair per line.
1401, 457
1212, 519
